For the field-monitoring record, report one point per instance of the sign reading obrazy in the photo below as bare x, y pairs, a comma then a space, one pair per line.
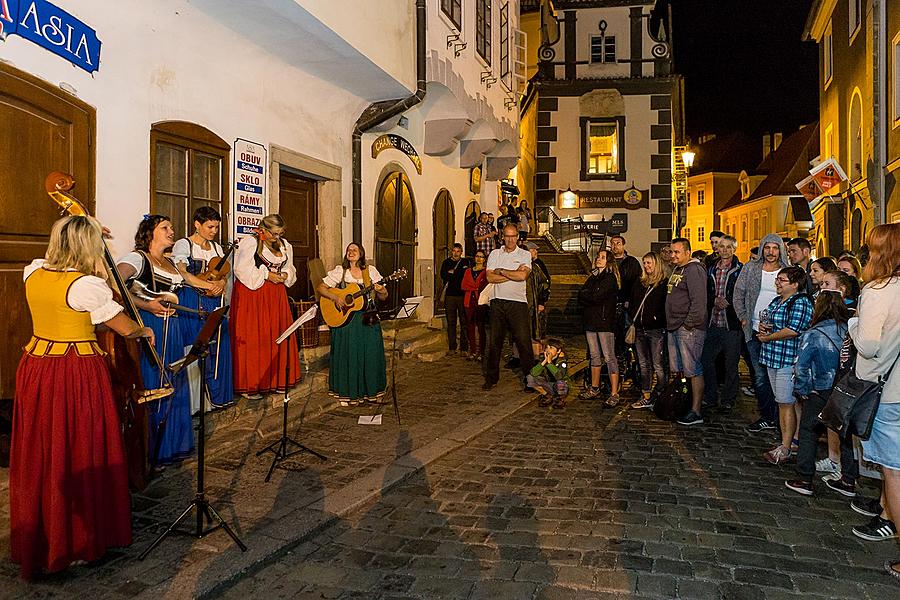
52, 28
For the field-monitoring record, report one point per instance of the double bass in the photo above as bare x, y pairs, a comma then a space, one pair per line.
122, 354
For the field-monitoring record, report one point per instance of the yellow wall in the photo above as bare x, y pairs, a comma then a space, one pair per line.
768, 213
528, 151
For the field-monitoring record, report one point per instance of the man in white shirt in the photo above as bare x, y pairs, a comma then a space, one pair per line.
508, 268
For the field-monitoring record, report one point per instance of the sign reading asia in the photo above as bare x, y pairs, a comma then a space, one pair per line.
249, 186
631, 199
51, 28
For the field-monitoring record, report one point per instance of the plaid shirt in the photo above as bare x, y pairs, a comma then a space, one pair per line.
779, 354
719, 317
487, 244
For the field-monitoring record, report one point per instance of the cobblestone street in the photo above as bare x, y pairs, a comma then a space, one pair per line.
591, 503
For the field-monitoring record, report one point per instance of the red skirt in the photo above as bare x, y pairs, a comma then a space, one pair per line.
257, 319
68, 479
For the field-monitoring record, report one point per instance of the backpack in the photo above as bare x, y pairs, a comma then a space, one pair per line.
675, 400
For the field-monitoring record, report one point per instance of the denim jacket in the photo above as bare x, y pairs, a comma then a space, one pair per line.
817, 360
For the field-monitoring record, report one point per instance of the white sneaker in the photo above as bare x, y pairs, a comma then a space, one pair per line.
831, 476
826, 465
748, 391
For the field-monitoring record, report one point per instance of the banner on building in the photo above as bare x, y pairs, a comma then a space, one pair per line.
250, 201
828, 174
52, 28
630, 199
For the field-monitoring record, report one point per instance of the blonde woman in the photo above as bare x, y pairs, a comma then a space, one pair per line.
68, 479
598, 296
648, 313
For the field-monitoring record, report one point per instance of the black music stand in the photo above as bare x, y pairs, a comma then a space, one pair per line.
280, 446
403, 312
198, 352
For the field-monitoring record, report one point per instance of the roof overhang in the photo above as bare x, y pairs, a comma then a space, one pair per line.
818, 19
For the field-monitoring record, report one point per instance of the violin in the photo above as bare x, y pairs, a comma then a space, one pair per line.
217, 268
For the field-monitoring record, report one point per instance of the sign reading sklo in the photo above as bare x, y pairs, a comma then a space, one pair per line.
249, 186
52, 28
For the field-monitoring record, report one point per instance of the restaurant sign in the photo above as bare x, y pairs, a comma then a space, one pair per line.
390, 140
631, 199
51, 28
617, 223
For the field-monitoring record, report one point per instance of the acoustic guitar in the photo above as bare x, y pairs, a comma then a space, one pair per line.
354, 299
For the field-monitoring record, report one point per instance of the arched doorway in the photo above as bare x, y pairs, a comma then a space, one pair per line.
855, 137
855, 230
472, 213
395, 234
444, 225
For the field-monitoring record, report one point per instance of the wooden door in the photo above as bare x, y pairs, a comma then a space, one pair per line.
298, 206
395, 235
444, 237
43, 130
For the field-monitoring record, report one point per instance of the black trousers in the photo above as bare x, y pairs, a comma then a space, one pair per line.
721, 342
456, 312
810, 430
513, 317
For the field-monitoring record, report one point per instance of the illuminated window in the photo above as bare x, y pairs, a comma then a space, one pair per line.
701, 234
827, 56
688, 201
855, 15
895, 71
701, 197
603, 150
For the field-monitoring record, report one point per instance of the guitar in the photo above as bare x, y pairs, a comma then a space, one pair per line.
354, 299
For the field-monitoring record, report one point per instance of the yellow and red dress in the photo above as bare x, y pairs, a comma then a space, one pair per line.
259, 313
68, 479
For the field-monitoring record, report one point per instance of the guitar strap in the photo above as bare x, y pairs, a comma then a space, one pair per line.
370, 315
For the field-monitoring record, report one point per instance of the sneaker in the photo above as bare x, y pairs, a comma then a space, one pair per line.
612, 400
691, 418
876, 530
643, 403
748, 391
777, 455
842, 487
826, 465
799, 486
831, 476
893, 568
868, 507
760, 425
589, 394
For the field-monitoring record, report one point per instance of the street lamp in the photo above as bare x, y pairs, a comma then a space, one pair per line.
687, 157
569, 198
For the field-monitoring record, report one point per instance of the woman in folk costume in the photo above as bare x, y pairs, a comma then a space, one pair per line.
171, 430
192, 255
357, 369
263, 270
68, 480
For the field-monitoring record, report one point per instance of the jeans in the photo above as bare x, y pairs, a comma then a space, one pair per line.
765, 397
649, 344
782, 382
507, 315
686, 350
720, 341
602, 346
810, 430
542, 384
454, 308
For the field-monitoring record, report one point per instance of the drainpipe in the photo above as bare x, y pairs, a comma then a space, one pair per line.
880, 117
379, 112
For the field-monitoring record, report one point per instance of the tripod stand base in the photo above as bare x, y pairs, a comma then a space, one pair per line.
280, 449
205, 512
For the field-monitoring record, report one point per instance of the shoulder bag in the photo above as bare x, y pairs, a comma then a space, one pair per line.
631, 334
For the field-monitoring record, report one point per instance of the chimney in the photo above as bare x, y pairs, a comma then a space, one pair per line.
776, 141
767, 145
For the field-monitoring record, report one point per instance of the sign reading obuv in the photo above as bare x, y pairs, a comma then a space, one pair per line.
52, 28
249, 186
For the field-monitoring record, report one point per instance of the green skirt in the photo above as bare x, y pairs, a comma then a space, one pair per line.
357, 360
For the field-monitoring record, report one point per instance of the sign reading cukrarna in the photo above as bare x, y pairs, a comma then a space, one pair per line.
52, 28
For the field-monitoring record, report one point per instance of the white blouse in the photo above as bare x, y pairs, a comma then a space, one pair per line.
253, 277
87, 294
333, 278
184, 250
136, 260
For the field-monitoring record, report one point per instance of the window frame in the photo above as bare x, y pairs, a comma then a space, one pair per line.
604, 59
586, 123
192, 138
701, 195
483, 30
701, 234
827, 56
855, 9
447, 9
505, 62
895, 83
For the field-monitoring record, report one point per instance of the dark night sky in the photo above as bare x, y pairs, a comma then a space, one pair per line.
745, 67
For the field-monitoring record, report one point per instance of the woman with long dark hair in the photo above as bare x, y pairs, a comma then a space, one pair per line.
473, 282
357, 371
817, 270
171, 429
260, 312
598, 297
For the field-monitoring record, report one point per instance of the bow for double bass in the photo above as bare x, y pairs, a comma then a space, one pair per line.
57, 186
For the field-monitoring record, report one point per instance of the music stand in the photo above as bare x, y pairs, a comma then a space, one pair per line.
404, 312
198, 352
280, 446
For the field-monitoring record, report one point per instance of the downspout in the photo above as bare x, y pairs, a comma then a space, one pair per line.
379, 112
880, 117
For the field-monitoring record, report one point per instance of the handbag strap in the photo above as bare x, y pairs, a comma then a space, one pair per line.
641, 307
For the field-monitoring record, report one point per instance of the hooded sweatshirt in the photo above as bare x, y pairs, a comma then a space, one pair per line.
686, 300
746, 289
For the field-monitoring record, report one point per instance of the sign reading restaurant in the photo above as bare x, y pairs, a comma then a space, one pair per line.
249, 186
630, 199
52, 28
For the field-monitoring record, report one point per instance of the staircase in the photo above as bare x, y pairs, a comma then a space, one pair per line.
568, 272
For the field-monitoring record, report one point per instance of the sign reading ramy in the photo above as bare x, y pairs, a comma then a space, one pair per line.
52, 28
249, 186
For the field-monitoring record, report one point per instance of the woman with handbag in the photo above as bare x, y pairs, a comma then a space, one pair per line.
876, 336
598, 296
473, 283
787, 316
648, 329
817, 363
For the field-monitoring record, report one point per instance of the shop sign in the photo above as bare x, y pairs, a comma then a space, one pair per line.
617, 223
631, 199
475, 180
51, 28
390, 140
249, 186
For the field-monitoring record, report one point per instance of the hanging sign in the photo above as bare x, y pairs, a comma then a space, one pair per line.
390, 140
632, 199
249, 186
475, 180
52, 28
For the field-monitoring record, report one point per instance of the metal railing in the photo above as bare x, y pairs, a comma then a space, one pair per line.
558, 230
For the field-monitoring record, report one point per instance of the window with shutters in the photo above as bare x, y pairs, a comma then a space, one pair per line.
188, 169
